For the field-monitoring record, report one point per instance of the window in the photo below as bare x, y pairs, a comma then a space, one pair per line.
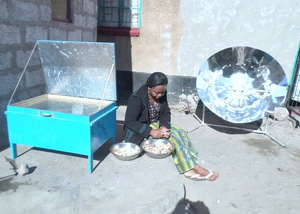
119, 17
61, 10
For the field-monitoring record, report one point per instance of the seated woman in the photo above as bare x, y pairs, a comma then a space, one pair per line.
148, 114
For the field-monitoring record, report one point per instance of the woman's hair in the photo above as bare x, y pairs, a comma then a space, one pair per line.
157, 78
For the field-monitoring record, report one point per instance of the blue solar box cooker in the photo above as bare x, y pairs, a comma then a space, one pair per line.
65, 99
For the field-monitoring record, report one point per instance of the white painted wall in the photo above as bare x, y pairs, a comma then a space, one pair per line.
213, 25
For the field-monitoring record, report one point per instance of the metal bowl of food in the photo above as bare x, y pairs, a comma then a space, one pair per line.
125, 151
157, 148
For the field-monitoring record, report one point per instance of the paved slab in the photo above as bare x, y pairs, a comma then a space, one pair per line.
6, 169
60, 183
256, 176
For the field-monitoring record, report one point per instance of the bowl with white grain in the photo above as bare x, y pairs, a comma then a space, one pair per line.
125, 151
157, 148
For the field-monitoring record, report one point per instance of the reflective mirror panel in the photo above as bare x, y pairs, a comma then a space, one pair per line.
69, 68
241, 84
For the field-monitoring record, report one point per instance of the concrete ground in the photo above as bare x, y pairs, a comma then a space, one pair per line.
256, 176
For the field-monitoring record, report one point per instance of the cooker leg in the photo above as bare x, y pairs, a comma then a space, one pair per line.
13, 150
90, 163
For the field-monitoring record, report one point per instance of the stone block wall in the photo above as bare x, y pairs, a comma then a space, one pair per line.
22, 23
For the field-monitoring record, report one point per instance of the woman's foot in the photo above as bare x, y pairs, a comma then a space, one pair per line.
199, 174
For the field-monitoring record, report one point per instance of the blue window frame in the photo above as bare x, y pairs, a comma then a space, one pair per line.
120, 13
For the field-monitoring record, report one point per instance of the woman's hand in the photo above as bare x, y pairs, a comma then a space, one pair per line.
165, 131
156, 133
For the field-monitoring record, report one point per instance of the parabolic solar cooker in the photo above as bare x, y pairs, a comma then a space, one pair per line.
241, 84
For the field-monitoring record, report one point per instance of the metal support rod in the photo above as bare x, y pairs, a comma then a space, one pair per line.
266, 125
111, 70
264, 132
22, 73
276, 141
203, 113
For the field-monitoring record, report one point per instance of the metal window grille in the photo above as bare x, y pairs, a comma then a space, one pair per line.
293, 96
120, 13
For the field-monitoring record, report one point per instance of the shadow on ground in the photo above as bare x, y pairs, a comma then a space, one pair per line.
4, 144
217, 123
185, 206
3, 147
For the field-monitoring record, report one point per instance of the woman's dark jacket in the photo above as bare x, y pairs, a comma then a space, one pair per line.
137, 115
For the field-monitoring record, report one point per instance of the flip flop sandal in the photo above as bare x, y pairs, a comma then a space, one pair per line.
211, 173
196, 177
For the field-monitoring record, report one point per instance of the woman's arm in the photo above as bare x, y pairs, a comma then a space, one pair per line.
133, 113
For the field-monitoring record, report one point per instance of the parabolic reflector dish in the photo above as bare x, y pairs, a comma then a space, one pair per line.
241, 84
